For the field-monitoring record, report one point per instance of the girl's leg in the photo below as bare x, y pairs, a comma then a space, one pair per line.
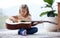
32, 30
27, 31
22, 32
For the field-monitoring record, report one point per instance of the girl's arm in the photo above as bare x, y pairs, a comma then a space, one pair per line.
14, 19
36, 22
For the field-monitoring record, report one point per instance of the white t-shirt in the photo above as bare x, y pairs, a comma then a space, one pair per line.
21, 18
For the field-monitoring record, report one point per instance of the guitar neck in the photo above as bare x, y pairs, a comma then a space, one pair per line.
45, 21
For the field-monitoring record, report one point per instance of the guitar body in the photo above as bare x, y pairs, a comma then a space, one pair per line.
13, 26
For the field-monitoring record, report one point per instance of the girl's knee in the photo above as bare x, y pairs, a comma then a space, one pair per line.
35, 29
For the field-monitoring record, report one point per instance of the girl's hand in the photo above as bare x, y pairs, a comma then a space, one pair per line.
13, 19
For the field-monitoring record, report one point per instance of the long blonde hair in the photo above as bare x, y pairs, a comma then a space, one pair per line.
24, 6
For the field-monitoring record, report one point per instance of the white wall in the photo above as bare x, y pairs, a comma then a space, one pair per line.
11, 7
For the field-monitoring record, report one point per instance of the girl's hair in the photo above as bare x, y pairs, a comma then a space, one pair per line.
24, 6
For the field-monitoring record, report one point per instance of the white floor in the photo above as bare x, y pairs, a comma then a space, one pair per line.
42, 33
13, 34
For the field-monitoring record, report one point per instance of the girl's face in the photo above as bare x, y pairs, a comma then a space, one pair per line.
23, 12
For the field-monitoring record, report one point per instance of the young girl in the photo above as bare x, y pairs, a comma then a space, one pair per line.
25, 16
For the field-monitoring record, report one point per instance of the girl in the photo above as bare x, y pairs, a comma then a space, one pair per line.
24, 15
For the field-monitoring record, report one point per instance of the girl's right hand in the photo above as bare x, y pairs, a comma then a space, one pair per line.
13, 19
